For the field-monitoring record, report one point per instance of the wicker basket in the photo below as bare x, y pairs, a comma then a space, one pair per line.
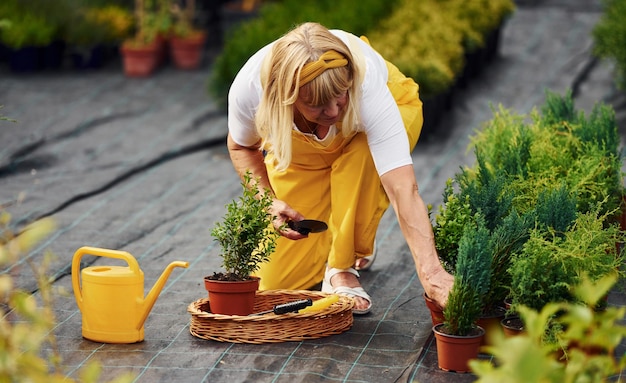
272, 328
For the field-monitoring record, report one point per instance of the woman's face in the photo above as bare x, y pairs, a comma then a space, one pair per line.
327, 114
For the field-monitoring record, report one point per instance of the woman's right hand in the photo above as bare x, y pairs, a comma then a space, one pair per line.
284, 213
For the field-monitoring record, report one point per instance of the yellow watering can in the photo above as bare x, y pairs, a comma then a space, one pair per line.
111, 298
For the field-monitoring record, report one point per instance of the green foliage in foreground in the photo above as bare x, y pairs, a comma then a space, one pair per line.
585, 351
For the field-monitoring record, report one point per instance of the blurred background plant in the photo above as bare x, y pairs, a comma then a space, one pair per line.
610, 37
586, 347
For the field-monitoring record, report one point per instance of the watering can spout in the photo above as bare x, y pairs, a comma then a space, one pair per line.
156, 290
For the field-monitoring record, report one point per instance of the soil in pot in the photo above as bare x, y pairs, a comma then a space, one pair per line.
512, 326
454, 351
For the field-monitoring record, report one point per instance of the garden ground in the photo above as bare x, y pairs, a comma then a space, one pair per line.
140, 165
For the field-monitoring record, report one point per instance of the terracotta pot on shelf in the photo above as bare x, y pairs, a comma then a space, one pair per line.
187, 52
140, 60
232, 297
455, 351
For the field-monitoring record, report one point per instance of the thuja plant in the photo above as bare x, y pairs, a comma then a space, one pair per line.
246, 233
589, 342
452, 217
507, 240
552, 262
471, 280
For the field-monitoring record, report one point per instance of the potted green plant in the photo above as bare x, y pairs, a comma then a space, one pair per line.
458, 337
247, 238
186, 41
142, 53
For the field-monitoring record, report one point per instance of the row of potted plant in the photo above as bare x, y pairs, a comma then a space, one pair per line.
159, 23
442, 45
545, 198
273, 19
427, 40
37, 33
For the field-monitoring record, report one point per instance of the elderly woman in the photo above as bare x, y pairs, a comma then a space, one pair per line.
327, 126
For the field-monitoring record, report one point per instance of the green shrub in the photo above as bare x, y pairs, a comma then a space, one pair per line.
549, 186
246, 233
551, 263
23, 29
88, 26
277, 18
426, 40
558, 145
432, 56
453, 216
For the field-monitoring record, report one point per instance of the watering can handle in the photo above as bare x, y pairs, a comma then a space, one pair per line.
123, 255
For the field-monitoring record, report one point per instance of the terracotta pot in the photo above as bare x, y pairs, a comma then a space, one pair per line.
436, 314
512, 326
454, 351
162, 42
140, 61
186, 53
232, 297
491, 323
508, 302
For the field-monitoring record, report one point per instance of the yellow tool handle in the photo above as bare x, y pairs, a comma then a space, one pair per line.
320, 304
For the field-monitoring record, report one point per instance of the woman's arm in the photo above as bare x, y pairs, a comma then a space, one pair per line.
251, 159
402, 190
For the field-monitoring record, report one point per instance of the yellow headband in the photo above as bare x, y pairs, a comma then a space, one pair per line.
329, 59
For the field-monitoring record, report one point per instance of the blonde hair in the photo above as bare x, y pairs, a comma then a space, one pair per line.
280, 77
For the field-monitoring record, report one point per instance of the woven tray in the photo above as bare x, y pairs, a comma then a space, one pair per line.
272, 328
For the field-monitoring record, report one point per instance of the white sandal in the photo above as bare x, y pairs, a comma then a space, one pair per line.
351, 292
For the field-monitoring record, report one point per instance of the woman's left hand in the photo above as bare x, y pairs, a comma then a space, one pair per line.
285, 213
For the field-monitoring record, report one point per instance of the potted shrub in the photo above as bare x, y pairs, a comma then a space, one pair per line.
142, 53
459, 338
247, 238
186, 41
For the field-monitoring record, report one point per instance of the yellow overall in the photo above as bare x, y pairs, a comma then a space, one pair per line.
337, 184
